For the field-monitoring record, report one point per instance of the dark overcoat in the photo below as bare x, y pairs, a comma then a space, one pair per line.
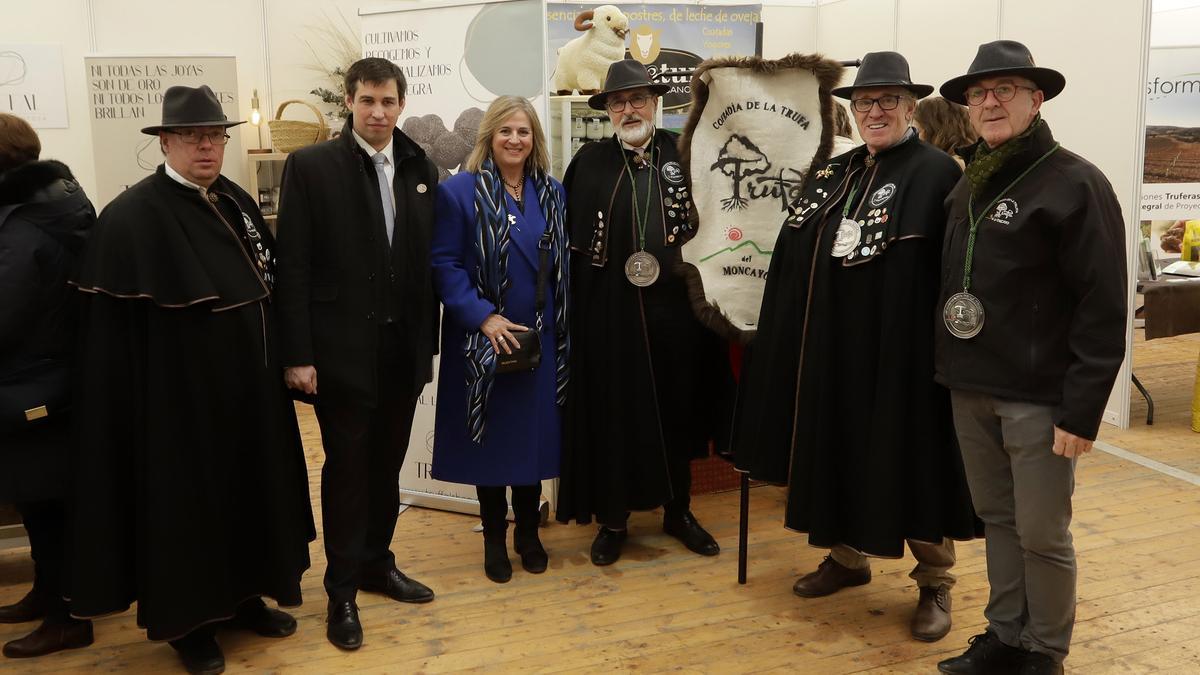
336, 282
44, 221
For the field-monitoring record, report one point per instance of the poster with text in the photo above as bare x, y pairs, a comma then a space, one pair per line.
457, 58
125, 95
32, 85
671, 40
1171, 175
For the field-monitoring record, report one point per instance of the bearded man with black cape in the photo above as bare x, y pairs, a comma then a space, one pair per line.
191, 488
837, 399
646, 376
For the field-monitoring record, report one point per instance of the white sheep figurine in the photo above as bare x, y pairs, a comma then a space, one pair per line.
584, 61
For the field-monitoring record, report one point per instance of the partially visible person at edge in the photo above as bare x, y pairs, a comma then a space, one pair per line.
837, 396
359, 328
944, 125
843, 133
500, 226
645, 372
191, 490
1032, 337
44, 221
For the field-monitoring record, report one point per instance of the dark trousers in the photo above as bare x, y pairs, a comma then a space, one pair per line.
46, 524
679, 470
360, 482
493, 510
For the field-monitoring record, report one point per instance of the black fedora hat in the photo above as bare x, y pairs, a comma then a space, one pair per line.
883, 69
1003, 57
190, 107
622, 75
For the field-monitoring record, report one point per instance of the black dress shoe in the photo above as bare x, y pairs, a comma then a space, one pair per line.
29, 608
1036, 663
687, 529
533, 555
986, 654
54, 635
200, 653
399, 587
254, 615
344, 630
496, 564
606, 547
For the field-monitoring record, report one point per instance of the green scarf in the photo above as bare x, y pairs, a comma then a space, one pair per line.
987, 161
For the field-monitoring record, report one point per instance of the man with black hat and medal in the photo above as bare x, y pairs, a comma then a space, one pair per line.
837, 399
641, 403
1034, 300
191, 490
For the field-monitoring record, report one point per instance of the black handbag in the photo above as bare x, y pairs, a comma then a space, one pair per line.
527, 353
34, 394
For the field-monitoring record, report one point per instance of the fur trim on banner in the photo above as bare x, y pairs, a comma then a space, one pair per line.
827, 73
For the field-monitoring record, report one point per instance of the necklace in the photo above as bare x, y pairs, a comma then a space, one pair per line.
515, 188
963, 313
641, 268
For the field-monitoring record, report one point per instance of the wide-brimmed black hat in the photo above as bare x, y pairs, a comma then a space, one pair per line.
883, 69
190, 107
1003, 57
623, 75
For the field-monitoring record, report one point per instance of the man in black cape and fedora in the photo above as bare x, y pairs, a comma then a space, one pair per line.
646, 376
837, 399
1032, 335
191, 490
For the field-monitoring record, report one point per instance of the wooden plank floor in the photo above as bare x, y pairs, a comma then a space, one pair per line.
662, 608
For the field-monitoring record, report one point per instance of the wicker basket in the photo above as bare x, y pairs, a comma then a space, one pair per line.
291, 135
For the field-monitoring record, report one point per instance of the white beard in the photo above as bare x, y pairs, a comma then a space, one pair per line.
635, 136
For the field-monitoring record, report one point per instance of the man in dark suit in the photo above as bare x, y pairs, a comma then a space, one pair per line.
358, 312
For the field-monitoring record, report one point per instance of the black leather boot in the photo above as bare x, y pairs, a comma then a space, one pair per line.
526, 543
493, 512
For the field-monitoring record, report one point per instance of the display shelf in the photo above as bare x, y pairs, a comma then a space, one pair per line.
265, 172
565, 111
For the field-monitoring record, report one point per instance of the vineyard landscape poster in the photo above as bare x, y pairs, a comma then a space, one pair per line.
1171, 175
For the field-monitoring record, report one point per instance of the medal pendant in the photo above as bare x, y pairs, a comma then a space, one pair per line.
846, 239
963, 315
641, 269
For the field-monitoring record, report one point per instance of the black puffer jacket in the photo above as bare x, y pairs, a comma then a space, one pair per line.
1049, 268
40, 242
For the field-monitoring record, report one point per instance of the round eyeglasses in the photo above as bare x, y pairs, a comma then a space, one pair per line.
1003, 93
638, 102
193, 137
888, 102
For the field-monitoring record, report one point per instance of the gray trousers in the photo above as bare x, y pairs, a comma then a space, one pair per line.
1022, 492
933, 561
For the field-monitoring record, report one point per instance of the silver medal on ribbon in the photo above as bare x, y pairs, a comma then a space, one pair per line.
641, 269
846, 239
963, 315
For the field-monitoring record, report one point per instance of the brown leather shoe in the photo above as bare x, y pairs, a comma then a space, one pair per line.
29, 608
830, 577
54, 635
931, 621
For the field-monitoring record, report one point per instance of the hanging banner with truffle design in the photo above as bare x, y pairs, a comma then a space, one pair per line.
457, 58
755, 128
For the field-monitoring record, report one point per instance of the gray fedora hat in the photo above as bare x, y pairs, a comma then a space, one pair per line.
1003, 57
883, 69
622, 75
190, 107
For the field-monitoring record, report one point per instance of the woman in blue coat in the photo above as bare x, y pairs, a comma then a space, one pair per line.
495, 430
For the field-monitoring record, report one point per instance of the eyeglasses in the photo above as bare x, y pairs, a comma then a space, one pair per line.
1003, 93
193, 137
888, 102
638, 102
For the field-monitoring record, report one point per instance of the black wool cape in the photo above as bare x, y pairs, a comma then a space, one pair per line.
647, 379
837, 399
191, 486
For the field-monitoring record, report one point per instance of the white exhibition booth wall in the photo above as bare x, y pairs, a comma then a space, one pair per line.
278, 46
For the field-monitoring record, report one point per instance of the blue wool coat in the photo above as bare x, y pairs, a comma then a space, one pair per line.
522, 440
